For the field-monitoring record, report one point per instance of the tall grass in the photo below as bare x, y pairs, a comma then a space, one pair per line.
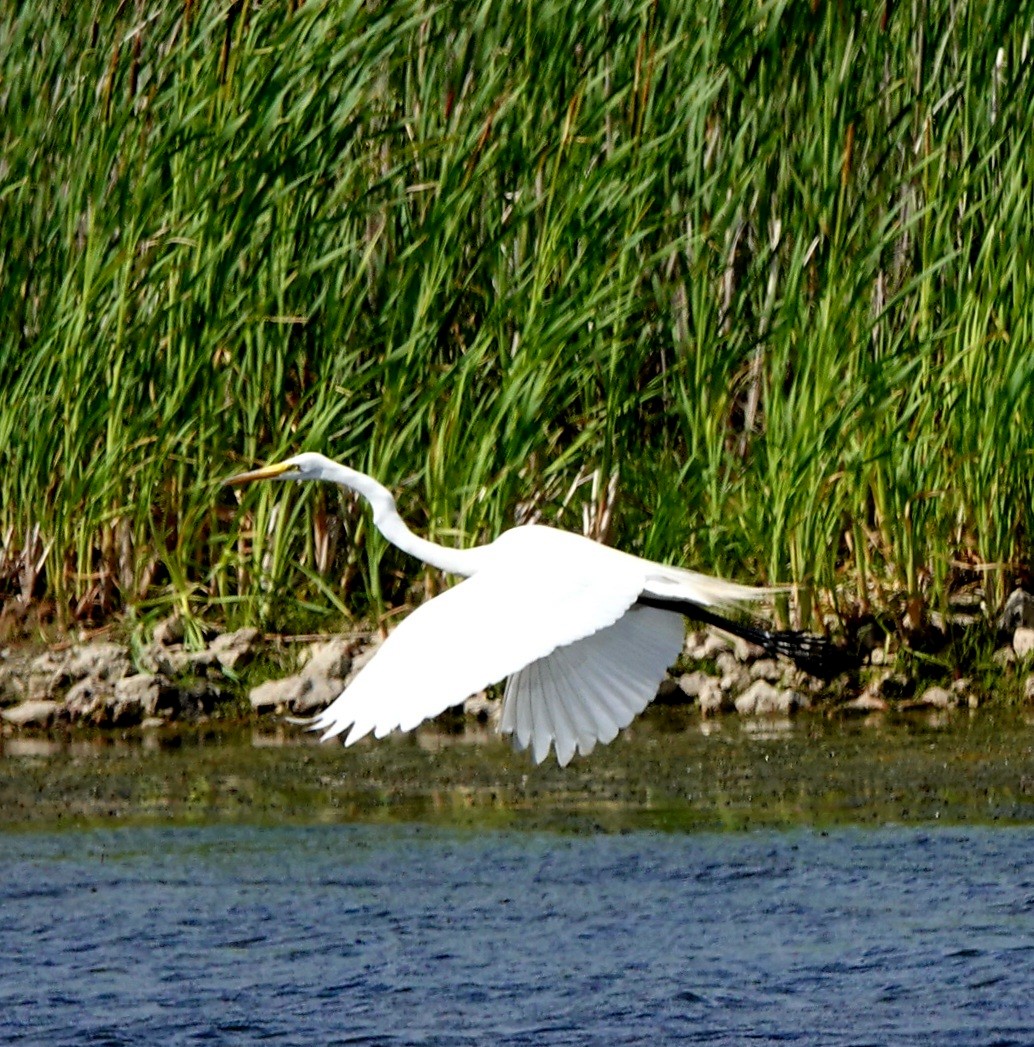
767, 266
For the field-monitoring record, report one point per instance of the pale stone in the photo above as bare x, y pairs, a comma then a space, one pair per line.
745, 650
865, 703
331, 658
703, 645
363, 657
234, 650
143, 690
1018, 612
1004, 656
735, 681
48, 662
85, 700
890, 685
728, 664
938, 697
766, 669
105, 661
41, 713
762, 699
711, 698
1023, 642
169, 631
277, 694
482, 708
692, 684
315, 694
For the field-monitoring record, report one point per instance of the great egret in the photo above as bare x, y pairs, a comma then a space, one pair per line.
584, 633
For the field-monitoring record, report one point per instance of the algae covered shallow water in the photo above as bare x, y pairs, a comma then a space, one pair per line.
670, 770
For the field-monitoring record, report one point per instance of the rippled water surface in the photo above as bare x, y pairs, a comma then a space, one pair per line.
401, 935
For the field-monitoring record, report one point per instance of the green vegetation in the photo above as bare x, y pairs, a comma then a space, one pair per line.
767, 265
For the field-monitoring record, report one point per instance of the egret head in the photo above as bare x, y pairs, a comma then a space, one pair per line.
306, 466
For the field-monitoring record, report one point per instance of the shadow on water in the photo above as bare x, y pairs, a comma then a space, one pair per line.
670, 770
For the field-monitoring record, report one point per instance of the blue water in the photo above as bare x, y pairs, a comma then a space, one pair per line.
368, 935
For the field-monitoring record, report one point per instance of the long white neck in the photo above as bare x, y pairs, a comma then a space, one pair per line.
387, 520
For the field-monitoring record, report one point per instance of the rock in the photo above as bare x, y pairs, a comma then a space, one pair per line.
735, 679
13, 686
762, 699
704, 645
712, 699
727, 663
151, 693
964, 693
148, 658
169, 631
102, 661
142, 689
41, 713
1023, 642
746, 651
360, 659
55, 671
938, 698
278, 694
48, 675
234, 650
864, 704
317, 693
158, 660
299, 694
1003, 657
49, 662
766, 669
332, 659
482, 708
890, 685
1018, 612
87, 699
692, 684
123, 713
176, 661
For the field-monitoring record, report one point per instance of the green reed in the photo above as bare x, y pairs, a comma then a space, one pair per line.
768, 266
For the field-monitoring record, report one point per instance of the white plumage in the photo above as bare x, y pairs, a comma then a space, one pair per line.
554, 611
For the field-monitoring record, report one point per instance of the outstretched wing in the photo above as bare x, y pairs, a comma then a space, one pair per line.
587, 691
514, 611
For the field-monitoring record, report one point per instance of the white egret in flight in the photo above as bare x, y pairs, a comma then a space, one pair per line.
582, 633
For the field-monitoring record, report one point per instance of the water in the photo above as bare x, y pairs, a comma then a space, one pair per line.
403, 935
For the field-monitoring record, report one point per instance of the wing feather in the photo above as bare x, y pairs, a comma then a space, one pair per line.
514, 611
609, 677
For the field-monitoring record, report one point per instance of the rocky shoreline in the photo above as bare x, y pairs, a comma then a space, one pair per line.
242, 674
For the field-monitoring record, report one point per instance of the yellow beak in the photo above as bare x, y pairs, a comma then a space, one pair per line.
267, 472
